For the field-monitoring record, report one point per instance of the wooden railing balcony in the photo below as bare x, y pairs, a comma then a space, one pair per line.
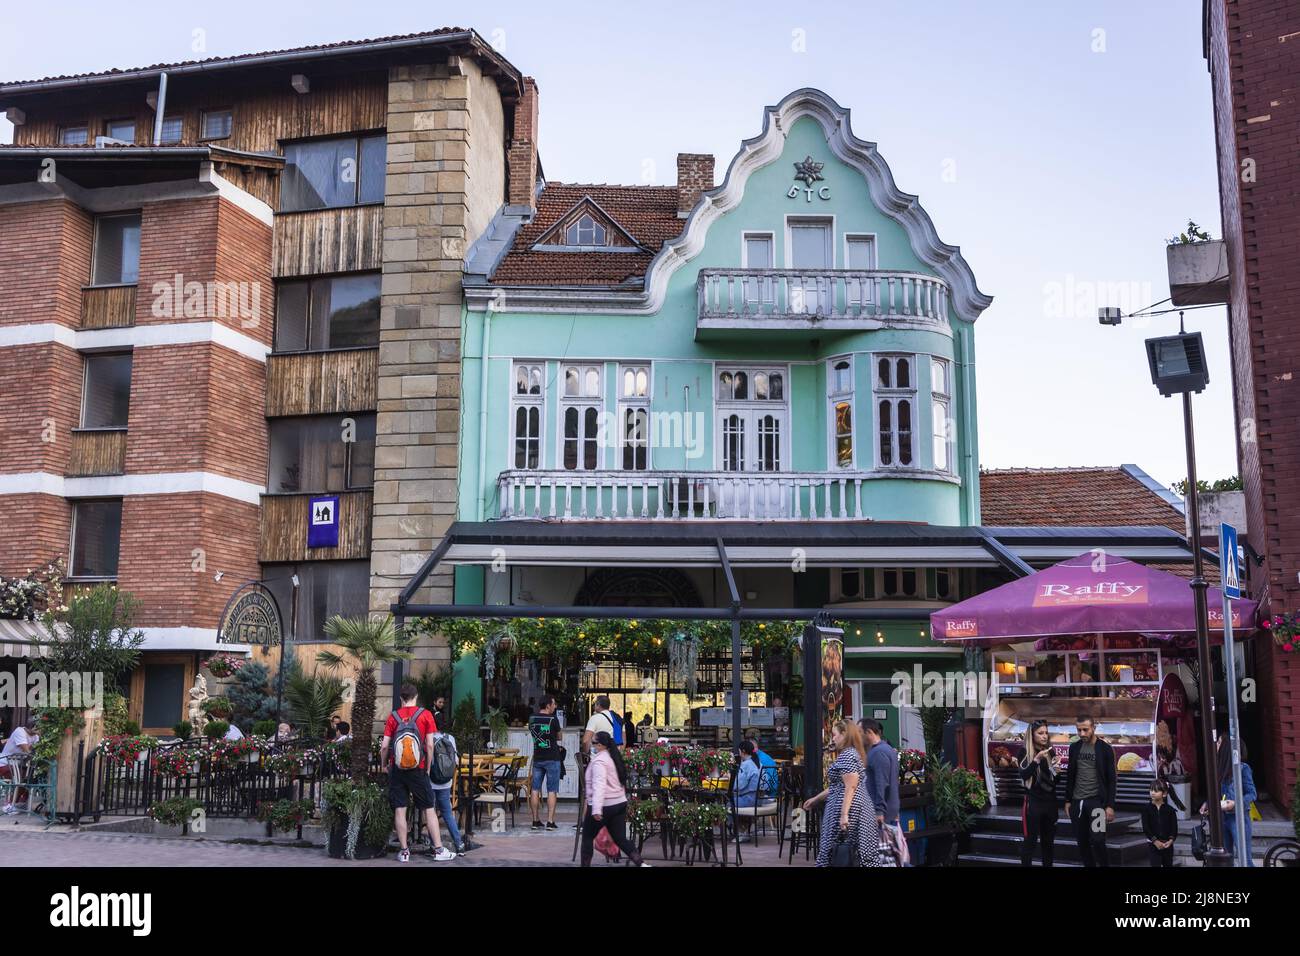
285, 519
96, 451
322, 383
681, 495
795, 299
107, 306
322, 241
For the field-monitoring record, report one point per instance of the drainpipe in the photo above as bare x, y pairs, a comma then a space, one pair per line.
482, 411
160, 108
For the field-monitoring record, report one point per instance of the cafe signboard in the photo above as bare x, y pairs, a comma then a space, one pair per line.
251, 617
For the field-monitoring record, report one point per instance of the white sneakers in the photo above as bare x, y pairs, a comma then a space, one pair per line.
10, 809
403, 856
442, 855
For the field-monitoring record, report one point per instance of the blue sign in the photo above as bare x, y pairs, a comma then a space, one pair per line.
323, 522
1229, 562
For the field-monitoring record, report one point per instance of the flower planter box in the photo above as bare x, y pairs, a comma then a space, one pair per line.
337, 843
1198, 272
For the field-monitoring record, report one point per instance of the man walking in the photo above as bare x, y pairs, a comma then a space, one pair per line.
602, 718
548, 757
409, 731
882, 772
1090, 791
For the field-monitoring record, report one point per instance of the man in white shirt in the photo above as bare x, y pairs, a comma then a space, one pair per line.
234, 733
20, 742
602, 718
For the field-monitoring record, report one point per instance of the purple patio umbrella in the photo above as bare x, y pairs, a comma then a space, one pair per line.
1090, 594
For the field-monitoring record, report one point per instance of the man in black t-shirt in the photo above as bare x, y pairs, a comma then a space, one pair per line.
544, 728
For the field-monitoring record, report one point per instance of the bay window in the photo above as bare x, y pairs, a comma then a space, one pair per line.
336, 312
895, 393
941, 413
321, 454
328, 173
839, 389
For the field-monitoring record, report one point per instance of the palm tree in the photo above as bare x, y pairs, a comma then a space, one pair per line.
366, 643
312, 700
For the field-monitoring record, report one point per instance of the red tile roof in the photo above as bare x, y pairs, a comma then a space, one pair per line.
1072, 496
1080, 496
647, 213
313, 48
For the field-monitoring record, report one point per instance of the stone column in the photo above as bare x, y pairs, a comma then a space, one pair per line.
425, 237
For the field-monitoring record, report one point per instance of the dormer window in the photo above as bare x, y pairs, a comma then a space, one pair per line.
585, 231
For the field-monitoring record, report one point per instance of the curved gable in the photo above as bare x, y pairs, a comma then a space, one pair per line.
768, 147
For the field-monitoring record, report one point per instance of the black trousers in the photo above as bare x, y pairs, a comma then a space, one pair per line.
1089, 818
614, 819
1039, 825
1157, 857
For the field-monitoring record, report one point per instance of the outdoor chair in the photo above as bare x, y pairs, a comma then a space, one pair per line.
765, 805
789, 796
504, 791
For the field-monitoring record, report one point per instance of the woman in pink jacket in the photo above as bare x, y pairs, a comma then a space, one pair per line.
606, 799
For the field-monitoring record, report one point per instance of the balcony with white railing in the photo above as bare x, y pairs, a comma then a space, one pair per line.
830, 299
681, 495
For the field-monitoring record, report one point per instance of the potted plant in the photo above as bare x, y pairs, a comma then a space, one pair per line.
911, 766
1198, 268
284, 815
218, 708
356, 811
224, 665
175, 812
958, 793
498, 727
216, 729
184, 730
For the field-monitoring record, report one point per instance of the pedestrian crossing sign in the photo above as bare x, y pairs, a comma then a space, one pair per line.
1229, 562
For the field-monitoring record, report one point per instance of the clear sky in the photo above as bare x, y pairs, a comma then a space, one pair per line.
1058, 143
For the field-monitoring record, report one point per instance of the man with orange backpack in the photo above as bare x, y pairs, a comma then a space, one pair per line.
405, 751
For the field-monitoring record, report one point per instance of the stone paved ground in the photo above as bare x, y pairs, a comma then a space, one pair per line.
26, 845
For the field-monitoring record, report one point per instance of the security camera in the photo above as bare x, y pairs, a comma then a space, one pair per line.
1109, 315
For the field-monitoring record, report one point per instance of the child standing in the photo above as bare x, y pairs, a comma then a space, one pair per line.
1160, 826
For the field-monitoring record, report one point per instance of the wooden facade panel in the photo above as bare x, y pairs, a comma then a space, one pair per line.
108, 307
97, 453
261, 116
322, 383
323, 241
285, 519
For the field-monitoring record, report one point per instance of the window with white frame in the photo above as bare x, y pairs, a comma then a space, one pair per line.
860, 256
895, 393
585, 231
894, 584
839, 390
581, 402
941, 413
759, 253
634, 416
527, 398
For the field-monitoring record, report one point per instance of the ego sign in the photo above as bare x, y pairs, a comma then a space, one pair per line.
823, 192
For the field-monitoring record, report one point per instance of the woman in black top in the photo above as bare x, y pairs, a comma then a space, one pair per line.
1159, 826
1038, 770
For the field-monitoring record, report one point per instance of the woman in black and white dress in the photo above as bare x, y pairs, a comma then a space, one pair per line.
848, 805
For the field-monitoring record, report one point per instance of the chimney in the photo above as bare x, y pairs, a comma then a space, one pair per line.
521, 157
694, 176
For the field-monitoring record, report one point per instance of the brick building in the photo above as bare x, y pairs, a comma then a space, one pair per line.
228, 287
1252, 48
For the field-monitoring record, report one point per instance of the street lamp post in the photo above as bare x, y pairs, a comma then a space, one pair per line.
1178, 366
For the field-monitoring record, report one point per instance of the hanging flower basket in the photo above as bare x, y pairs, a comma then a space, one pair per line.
1285, 629
224, 665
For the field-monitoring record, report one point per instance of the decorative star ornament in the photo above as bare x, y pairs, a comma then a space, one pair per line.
809, 170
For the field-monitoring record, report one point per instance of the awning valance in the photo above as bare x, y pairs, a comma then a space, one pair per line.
22, 639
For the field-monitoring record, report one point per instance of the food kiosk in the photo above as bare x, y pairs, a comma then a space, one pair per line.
1105, 637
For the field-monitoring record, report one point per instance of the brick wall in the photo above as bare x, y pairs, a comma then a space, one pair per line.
36, 239
694, 176
1254, 58
173, 545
